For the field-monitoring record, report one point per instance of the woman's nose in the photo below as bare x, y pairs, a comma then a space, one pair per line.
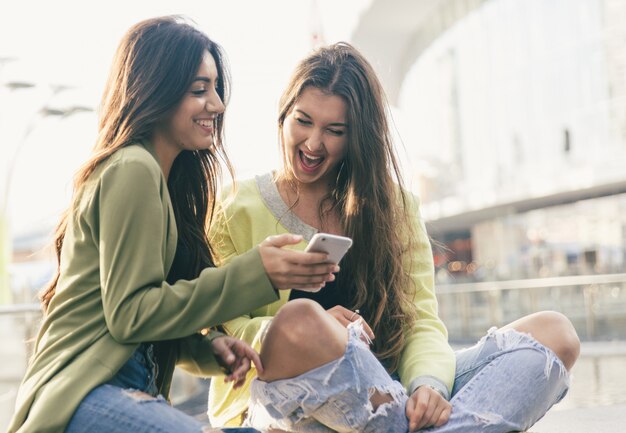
214, 103
314, 143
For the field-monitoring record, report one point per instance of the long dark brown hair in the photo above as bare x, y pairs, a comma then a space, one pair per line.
153, 67
368, 195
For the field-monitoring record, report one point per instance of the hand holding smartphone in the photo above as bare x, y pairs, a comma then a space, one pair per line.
335, 246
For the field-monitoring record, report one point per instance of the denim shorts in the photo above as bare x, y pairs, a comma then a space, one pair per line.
505, 382
333, 397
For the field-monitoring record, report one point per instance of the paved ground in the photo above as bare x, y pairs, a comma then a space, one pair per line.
603, 419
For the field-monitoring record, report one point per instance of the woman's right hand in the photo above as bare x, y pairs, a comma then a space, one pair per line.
345, 317
288, 269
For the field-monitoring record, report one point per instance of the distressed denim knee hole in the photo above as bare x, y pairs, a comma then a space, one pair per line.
488, 419
137, 395
351, 393
378, 398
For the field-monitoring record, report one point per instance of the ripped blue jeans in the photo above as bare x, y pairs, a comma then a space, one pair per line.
506, 382
129, 403
333, 397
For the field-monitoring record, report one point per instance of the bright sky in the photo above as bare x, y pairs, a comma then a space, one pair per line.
71, 42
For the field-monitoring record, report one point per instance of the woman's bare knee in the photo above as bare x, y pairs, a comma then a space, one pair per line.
299, 322
555, 331
302, 336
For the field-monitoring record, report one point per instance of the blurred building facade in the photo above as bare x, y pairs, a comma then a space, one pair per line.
514, 117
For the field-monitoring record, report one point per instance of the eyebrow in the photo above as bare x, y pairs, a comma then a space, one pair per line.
330, 124
204, 79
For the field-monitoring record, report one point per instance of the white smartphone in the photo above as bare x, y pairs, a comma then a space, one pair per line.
336, 246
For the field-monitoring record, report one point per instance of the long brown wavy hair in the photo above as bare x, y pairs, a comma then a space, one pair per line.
368, 195
152, 70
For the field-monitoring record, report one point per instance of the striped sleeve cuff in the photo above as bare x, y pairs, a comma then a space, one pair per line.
432, 382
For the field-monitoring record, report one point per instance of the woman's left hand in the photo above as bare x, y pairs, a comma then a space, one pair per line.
234, 356
427, 408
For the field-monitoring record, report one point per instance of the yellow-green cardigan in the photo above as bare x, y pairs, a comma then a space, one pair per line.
258, 211
112, 295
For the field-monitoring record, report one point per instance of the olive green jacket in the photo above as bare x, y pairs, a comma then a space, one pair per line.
119, 246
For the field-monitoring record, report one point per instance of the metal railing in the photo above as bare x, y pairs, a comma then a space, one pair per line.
18, 328
17, 309
596, 304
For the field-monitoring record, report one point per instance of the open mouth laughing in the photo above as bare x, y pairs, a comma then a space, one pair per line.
310, 162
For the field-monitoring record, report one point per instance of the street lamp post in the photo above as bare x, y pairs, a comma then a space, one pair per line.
5, 242
5, 291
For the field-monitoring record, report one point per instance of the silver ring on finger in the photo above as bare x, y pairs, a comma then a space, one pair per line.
355, 313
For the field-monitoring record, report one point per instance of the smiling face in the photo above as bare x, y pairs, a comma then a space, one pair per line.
315, 137
192, 125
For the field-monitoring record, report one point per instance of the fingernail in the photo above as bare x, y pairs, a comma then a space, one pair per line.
337, 268
332, 277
